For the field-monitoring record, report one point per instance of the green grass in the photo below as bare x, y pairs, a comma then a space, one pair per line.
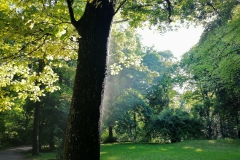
45, 156
187, 150
42, 156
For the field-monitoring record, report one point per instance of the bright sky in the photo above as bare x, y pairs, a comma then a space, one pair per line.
178, 42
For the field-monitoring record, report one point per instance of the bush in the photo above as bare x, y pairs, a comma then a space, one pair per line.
110, 140
176, 125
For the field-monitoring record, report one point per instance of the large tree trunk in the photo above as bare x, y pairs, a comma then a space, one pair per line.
82, 135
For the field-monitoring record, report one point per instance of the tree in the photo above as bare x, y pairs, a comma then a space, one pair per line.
212, 68
24, 41
28, 52
82, 135
135, 69
124, 64
54, 109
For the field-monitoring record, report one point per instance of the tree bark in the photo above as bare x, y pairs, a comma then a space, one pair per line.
35, 143
82, 134
238, 127
110, 132
221, 126
51, 140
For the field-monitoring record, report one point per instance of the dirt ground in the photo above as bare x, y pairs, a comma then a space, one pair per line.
15, 153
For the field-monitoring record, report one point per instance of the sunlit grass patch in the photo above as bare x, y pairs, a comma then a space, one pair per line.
188, 147
198, 150
212, 141
188, 150
132, 147
163, 149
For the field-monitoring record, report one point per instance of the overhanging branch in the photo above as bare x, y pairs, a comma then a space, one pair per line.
70, 9
120, 5
120, 21
169, 8
211, 5
16, 55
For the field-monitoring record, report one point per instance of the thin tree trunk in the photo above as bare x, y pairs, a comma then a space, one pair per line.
209, 124
221, 127
82, 135
135, 126
238, 134
110, 132
35, 143
51, 140
238, 127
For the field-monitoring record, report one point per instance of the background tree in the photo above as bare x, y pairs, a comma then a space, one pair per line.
32, 37
212, 68
126, 108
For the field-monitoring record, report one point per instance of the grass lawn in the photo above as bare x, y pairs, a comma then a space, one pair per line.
45, 156
42, 156
187, 150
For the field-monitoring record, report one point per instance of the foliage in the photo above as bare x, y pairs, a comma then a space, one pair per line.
213, 71
16, 125
158, 94
133, 79
142, 91
175, 125
122, 55
128, 107
158, 14
18, 121
31, 33
110, 140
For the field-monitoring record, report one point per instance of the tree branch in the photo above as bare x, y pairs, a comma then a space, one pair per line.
120, 5
150, 4
70, 9
120, 21
210, 4
216, 43
169, 8
16, 55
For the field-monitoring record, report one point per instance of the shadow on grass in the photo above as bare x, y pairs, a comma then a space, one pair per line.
45, 154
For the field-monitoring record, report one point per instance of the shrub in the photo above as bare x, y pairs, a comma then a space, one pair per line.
110, 140
176, 125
